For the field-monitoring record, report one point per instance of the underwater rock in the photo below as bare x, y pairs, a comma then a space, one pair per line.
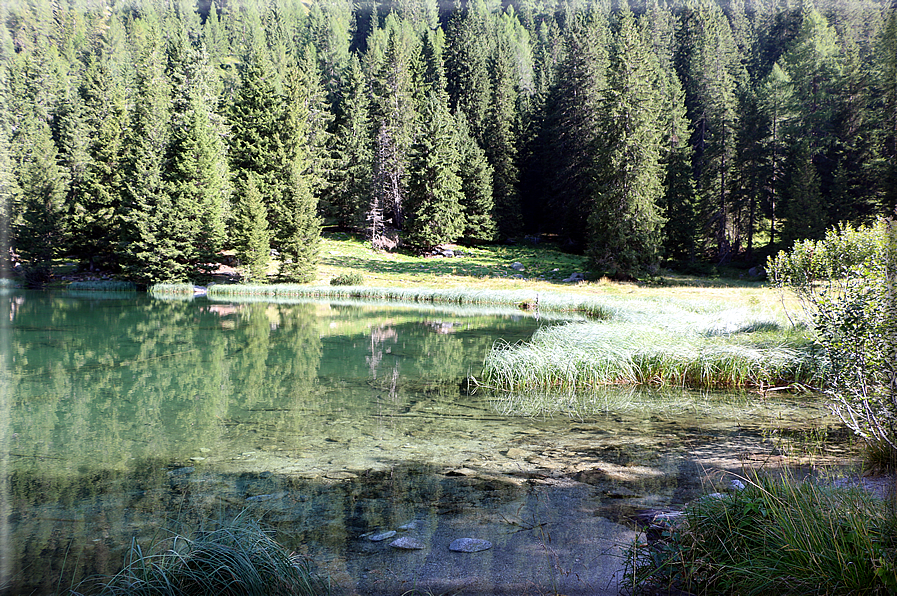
469, 545
381, 536
406, 543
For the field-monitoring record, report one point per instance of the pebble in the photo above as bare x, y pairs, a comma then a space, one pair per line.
406, 543
469, 545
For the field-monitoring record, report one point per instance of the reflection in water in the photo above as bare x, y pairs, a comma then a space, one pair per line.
328, 421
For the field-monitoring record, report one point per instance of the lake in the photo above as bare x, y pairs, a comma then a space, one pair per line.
126, 417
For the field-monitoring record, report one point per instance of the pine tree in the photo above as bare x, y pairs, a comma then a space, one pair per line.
572, 127
711, 70
625, 224
350, 191
95, 212
40, 233
434, 188
250, 234
886, 114
476, 177
151, 233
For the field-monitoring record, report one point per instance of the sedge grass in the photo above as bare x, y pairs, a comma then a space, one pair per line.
690, 344
776, 536
522, 299
238, 559
105, 285
171, 289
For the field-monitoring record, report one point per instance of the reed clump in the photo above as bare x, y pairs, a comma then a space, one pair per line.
102, 285
524, 299
171, 289
239, 559
776, 536
586, 356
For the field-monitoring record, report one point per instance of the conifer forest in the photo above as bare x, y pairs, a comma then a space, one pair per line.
147, 137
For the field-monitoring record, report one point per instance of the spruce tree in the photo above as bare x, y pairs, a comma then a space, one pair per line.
434, 213
250, 235
476, 177
885, 85
40, 231
625, 223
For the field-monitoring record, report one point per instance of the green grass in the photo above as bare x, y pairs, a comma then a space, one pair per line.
777, 536
106, 285
694, 344
236, 559
171, 289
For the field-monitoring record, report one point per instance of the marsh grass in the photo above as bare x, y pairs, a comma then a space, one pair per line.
238, 559
171, 289
522, 299
777, 536
105, 285
645, 342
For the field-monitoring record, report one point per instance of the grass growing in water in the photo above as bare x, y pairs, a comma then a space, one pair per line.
696, 345
236, 560
777, 536
106, 285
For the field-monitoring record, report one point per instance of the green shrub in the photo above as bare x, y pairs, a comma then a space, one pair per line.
347, 279
848, 283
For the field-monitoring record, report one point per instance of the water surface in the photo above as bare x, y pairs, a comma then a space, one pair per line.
127, 416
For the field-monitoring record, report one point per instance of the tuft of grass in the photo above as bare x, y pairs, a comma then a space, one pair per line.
106, 285
776, 536
661, 345
171, 289
236, 559
523, 299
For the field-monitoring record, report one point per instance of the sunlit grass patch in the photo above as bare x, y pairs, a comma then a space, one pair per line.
172, 289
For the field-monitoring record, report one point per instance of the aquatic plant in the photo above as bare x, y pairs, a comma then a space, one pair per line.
102, 285
776, 536
589, 355
236, 559
171, 289
526, 299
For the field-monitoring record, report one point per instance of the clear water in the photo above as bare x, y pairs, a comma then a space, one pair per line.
126, 416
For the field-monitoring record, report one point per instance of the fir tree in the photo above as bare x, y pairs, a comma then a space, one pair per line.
40, 233
476, 177
250, 234
624, 224
434, 190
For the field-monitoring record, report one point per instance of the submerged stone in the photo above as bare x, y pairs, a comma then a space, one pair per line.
469, 545
381, 536
406, 543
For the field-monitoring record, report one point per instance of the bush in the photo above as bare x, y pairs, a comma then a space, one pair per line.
848, 284
347, 279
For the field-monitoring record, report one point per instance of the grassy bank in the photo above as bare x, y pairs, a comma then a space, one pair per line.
776, 536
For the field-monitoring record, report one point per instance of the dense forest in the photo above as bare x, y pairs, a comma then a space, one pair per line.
145, 137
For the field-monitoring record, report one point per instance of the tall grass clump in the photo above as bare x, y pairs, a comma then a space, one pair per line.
523, 299
171, 289
239, 559
776, 536
587, 356
102, 285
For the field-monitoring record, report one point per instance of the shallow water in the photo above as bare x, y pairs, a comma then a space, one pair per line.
126, 417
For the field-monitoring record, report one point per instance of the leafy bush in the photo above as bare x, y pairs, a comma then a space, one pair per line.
848, 283
347, 279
